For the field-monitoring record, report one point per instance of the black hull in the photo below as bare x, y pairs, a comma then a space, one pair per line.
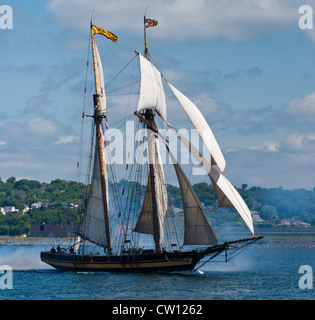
182, 261
154, 262
145, 262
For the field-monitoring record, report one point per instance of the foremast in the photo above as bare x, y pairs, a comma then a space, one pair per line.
98, 118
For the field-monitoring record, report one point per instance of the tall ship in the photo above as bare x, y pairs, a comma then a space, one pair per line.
142, 234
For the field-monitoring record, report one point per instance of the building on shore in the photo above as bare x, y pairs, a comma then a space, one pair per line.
53, 230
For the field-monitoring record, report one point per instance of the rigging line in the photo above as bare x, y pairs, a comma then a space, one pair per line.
85, 191
125, 66
83, 107
210, 258
237, 251
116, 198
172, 226
123, 121
88, 170
156, 66
124, 86
126, 216
132, 81
123, 94
110, 48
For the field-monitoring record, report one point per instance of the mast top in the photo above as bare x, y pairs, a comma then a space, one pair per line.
147, 24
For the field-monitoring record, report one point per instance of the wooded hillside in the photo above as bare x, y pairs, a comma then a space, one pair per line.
61, 199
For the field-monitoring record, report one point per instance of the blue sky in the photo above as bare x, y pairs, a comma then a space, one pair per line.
246, 64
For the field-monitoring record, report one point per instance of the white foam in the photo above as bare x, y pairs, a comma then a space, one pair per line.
22, 257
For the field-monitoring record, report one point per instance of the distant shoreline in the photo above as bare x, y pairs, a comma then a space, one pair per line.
294, 244
267, 242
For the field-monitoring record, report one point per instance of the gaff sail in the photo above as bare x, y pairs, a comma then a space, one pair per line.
93, 224
145, 222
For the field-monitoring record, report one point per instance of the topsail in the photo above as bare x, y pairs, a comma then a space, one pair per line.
100, 81
151, 91
202, 126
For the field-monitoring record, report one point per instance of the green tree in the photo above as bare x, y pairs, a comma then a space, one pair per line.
27, 185
268, 213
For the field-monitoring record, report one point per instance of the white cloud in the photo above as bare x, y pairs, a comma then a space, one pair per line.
42, 127
295, 142
299, 142
302, 108
268, 146
298, 114
271, 169
66, 139
182, 19
28, 150
210, 107
40, 146
35, 105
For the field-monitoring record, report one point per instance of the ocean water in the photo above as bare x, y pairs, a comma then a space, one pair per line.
255, 274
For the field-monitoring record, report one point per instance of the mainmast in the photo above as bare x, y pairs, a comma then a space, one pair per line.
149, 116
98, 117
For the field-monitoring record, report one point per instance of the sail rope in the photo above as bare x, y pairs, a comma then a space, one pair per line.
210, 258
80, 151
78, 178
116, 76
122, 121
115, 54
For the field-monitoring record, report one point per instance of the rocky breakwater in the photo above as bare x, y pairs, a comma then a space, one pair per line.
29, 241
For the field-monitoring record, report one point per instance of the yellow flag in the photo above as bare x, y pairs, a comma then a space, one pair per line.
107, 34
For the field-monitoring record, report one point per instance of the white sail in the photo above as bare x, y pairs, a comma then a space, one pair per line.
227, 195
100, 80
145, 222
202, 126
151, 90
197, 228
233, 197
93, 224
194, 151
